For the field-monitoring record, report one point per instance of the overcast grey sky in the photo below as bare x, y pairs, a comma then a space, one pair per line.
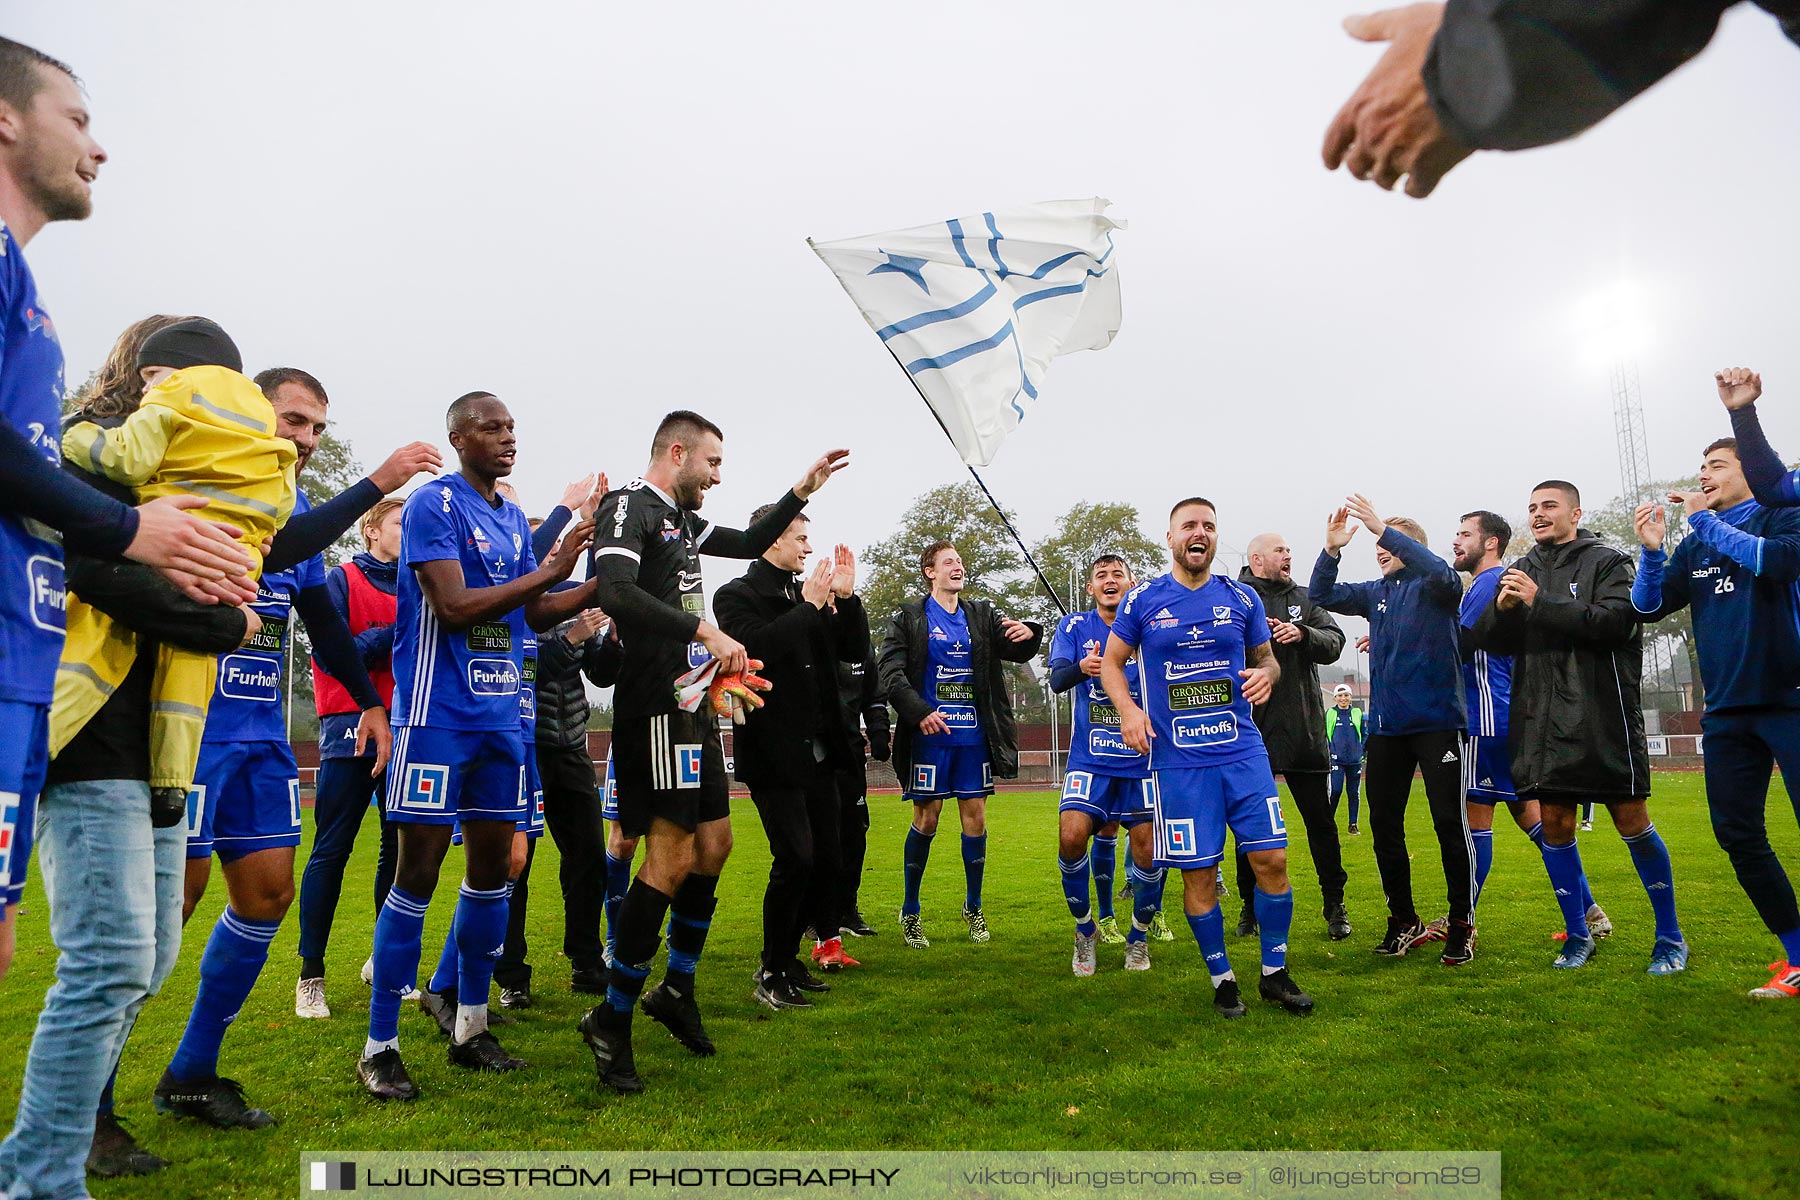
600, 212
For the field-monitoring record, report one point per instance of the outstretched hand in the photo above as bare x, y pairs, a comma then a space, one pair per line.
1388, 129
820, 473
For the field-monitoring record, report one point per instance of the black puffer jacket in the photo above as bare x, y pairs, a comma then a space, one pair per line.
1577, 720
1293, 721
903, 674
562, 703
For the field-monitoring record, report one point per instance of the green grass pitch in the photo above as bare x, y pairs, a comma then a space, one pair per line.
1603, 1082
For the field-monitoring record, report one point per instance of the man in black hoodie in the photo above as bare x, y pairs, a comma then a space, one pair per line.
1564, 613
1293, 722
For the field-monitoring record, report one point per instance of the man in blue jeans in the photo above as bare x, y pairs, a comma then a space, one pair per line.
1344, 731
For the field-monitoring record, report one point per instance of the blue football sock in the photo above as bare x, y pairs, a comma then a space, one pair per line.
913, 858
974, 852
1104, 859
106, 1093
399, 933
1274, 917
1075, 893
1536, 834
618, 879
1209, 934
1651, 858
1563, 863
1790, 946
480, 932
1484, 858
234, 957
1158, 877
690, 917
1142, 910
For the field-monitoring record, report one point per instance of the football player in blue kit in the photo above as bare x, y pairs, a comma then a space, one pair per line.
1205, 661
470, 585
1107, 783
1736, 570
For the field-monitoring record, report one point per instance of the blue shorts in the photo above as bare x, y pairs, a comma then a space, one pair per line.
1107, 798
440, 776
246, 797
533, 821
24, 757
609, 793
940, 772
1195, 805
1487, 772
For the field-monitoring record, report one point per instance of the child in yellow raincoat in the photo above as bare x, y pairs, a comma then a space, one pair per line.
202, 429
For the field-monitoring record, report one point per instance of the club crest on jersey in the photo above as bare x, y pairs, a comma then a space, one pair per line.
427, 785
687, 766
1221, 614
1573, 586
1294, 611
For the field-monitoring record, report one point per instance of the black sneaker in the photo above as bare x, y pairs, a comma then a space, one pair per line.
680, 1015
1281, 989
515, 998
855, 926
385, 1076
1401, 936
440, 1007
1226, 1001
778, 992
1246, 926
483, 1052
1337, 922
589, 979
805, 980
217, 1101
1459, 944
115, 1152
608, 1034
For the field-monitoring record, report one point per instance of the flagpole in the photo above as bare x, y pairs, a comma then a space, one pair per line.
985, 490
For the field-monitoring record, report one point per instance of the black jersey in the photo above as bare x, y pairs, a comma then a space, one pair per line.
646, 559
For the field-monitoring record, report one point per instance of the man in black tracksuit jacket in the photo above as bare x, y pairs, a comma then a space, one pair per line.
790, 750
859, 694
1293, 721
1564, 613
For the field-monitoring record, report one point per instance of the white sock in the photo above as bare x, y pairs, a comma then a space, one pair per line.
1218, 979
371, 1047
471, 1019
1268, 970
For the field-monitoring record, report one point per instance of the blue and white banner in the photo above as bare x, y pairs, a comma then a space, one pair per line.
975, 308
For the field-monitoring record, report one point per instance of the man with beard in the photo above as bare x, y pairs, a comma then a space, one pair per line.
1418, 721
1564, 614
1107, 784
1293, 722
1202, 645
668, 763
1487, 687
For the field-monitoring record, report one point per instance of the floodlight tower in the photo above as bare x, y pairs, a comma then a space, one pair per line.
1628, 427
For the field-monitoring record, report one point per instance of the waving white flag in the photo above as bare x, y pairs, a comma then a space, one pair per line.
975, 308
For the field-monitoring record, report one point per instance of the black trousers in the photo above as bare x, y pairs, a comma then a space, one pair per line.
572, 816
853, 837
1310, 797
1387, 780
802, 824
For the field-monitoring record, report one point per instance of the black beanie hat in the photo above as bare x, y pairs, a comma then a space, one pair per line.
195, 342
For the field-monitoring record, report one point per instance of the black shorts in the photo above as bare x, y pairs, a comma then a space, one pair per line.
669, 766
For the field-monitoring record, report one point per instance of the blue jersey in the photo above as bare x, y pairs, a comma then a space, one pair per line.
1191, 646
1094, 743
1737, 571
32, 598
467, 679
1487, 678
950, 676
246, 702
528, 687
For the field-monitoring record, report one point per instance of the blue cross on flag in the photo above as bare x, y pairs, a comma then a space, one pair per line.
976, 307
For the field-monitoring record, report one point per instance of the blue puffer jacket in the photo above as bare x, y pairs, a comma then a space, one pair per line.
1415, 670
